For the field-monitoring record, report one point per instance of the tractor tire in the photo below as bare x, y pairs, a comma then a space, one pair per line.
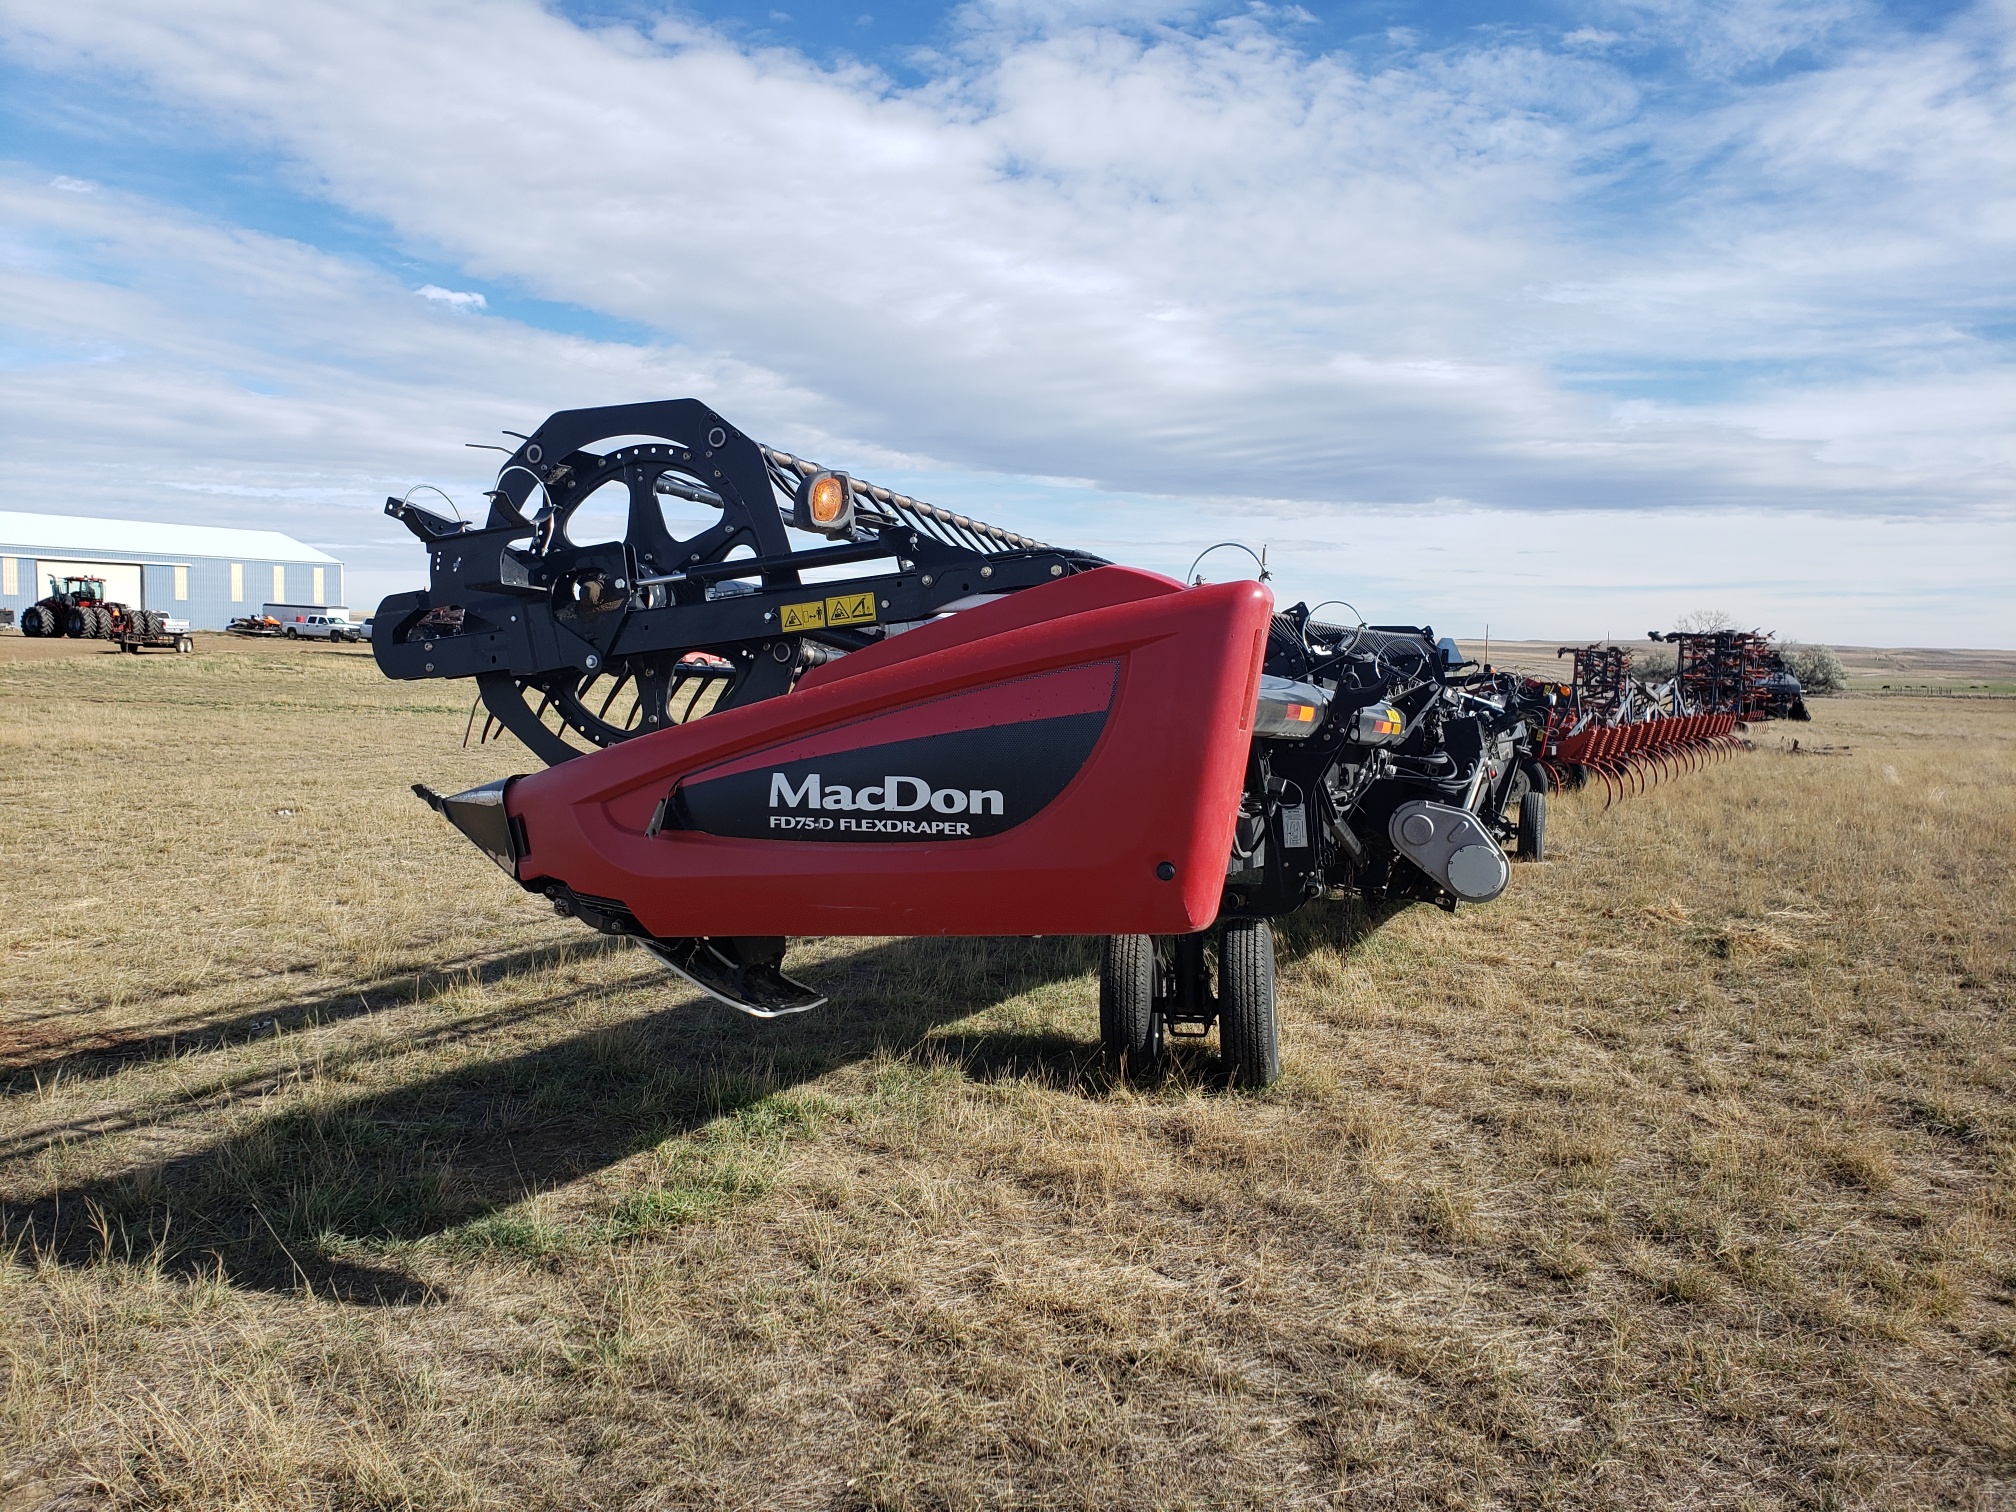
1249, 1034
33, 622
76, 623
101, 623
1130, 1030
1533, 826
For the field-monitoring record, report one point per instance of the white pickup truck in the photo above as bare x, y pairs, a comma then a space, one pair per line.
313, 621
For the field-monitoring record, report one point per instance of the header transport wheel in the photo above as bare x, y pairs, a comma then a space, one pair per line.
1130, 1030
1533, 825
1248, 1033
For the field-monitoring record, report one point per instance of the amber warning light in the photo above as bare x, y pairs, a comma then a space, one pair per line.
825, 503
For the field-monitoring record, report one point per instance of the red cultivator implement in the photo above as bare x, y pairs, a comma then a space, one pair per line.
1622, 755
1623, 731
1735, 671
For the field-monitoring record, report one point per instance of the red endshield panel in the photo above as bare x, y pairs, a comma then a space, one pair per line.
1033, 766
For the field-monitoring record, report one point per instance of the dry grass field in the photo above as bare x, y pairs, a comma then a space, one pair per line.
335, 1172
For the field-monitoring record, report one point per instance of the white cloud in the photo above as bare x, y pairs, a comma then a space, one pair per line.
455, 299
977, 266
72, 186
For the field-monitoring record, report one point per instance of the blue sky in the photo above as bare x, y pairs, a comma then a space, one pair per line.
1560, 318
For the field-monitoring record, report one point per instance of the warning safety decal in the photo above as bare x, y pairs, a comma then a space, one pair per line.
829, 614
851, 609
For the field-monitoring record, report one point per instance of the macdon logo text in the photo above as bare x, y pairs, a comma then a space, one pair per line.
892, 795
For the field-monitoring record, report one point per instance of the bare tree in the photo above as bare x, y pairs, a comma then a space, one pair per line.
1704, 621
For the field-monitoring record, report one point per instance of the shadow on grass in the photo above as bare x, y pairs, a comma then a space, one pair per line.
30, 1055
314, 1195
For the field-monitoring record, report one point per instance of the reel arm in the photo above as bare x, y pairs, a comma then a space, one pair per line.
538, 620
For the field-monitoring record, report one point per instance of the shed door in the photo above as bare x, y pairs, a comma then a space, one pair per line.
122, 579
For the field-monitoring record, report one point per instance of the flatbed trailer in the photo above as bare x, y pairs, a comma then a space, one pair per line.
136, 641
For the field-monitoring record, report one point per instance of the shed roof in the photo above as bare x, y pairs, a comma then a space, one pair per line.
148, 540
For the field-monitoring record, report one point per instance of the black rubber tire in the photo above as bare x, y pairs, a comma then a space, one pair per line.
76, 623
101, 623
185, 645
291, 633
1249, 1034
32, 621
1533, 826
1130, 1030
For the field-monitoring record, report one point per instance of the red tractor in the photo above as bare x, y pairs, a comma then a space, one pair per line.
76, 607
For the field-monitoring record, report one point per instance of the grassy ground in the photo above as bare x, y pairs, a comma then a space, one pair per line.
336, 1172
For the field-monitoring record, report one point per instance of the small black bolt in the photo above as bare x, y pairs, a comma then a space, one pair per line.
1166, 871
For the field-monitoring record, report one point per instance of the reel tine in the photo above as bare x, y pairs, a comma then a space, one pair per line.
693, 702
615, 687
